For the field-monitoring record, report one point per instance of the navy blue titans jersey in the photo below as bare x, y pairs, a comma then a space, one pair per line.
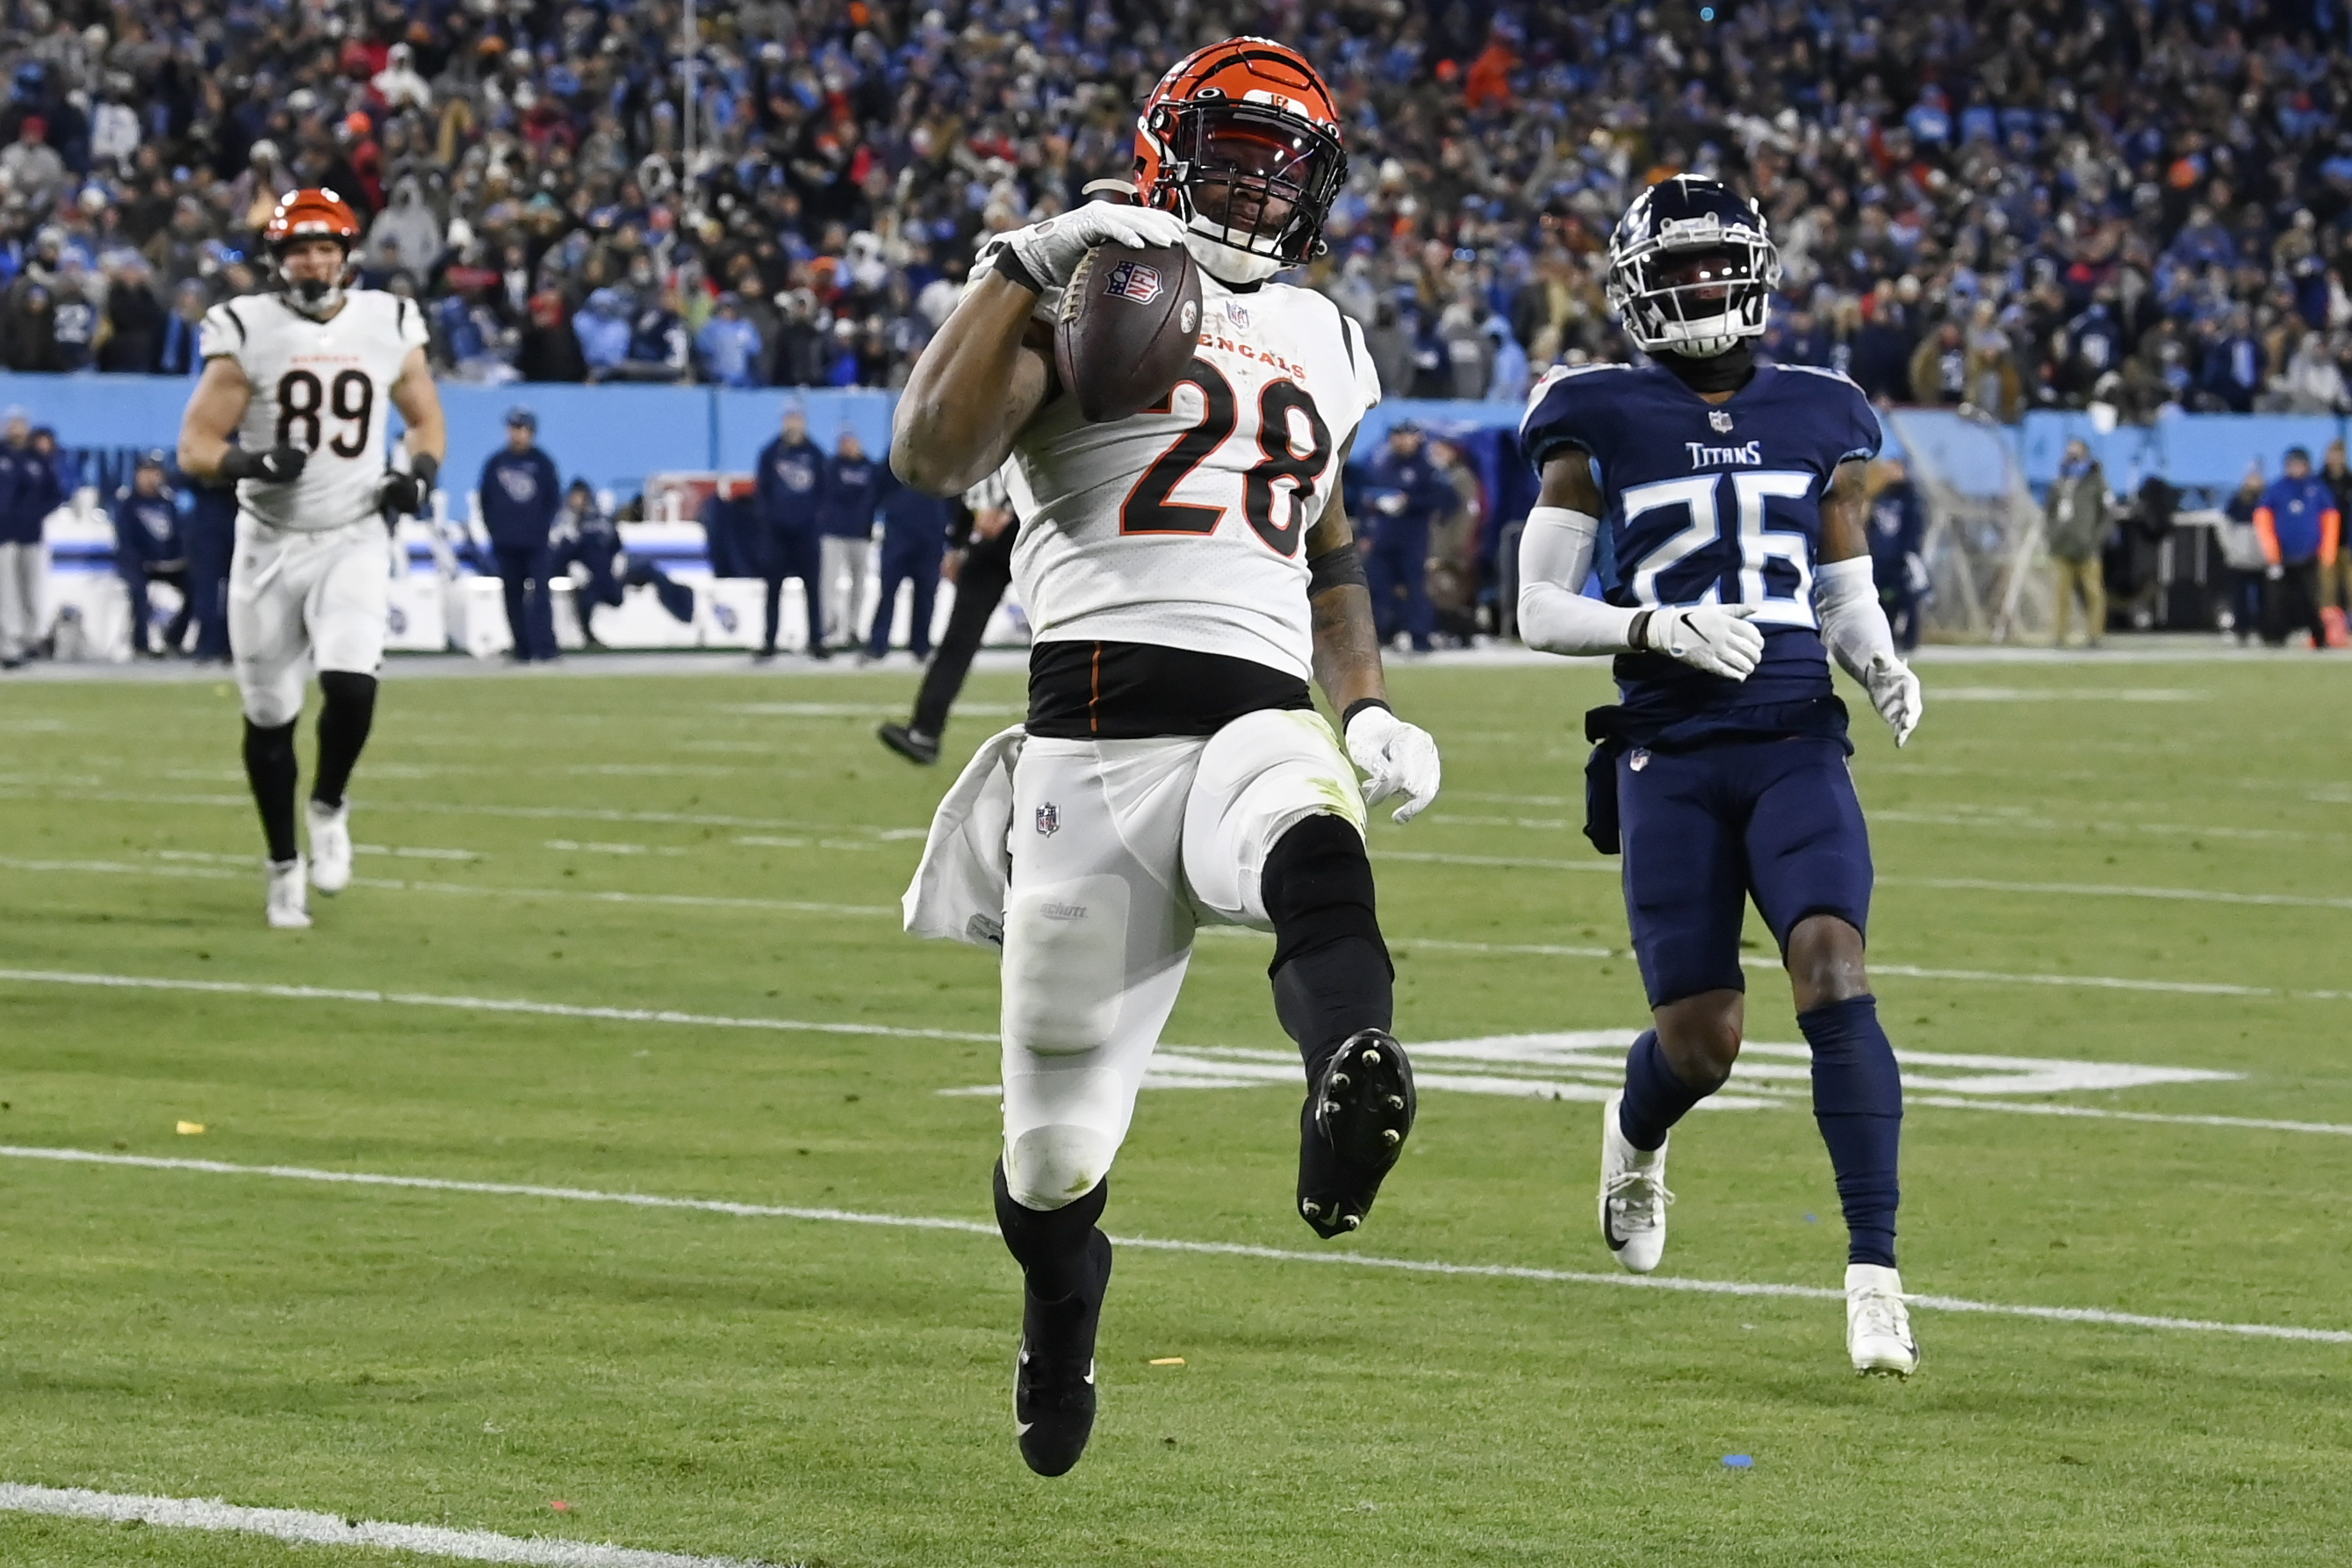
1711, 504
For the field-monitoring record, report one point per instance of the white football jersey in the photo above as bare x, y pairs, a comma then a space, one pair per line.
1186, 526
324, 386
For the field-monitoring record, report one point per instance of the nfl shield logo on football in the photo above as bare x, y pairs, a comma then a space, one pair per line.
1049, 820
1133, 280
1719, 420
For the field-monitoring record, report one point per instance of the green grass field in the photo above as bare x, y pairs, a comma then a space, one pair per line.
812, 1391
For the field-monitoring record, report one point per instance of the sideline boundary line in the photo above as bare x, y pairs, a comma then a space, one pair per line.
284, 992
2096, 1315
300, 1527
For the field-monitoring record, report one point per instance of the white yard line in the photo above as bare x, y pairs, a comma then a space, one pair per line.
481, 1005
366, 806
569, 895
1157, 1244
1948, 884
303, 1528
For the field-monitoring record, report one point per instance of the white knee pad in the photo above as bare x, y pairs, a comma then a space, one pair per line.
1262, 775
272, 696
1051, 1167
1064, 965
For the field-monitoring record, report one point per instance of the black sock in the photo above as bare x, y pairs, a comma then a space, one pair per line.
270, 768
1331, 973
1050, 1245
1656, 1095
344, 720
1858, 1105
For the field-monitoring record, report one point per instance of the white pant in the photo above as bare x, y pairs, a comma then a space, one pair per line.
1120, 849
300, 600
837, 558
24, 579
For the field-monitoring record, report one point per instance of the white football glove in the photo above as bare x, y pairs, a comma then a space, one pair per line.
1894, 692
1051, 250
1398, 759
1707, 637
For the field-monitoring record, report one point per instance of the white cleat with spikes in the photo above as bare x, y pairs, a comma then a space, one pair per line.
289, 905
330, 846
1878, 1323
1633, 1195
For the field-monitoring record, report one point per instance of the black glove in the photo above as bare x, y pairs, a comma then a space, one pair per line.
406, 495
278, 466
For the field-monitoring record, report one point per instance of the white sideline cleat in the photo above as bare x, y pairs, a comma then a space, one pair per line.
330, 846
289, 903
1878, 1323
1633, 1195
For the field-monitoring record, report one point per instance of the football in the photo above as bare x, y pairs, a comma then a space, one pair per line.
1129, 319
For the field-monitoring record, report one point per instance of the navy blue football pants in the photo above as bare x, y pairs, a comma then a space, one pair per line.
1705, 829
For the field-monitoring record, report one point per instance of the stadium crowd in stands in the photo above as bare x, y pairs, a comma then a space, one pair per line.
2011, 203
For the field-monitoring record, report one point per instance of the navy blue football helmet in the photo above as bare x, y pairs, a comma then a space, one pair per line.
1692, 268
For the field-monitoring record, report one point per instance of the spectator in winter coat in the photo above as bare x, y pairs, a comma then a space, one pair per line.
2301, 530
520, 493
147, 549
2077, 528
134, 319
178, 336
601, 326
729, 345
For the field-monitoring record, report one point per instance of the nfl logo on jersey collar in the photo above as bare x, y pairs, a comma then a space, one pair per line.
1720, 421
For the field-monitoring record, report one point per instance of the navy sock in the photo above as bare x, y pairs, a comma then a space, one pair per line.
1655, 1096
1858, 1104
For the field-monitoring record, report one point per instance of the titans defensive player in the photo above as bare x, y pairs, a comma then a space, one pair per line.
1722, 503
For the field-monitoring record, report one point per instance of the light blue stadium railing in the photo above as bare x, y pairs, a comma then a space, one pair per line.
616, 436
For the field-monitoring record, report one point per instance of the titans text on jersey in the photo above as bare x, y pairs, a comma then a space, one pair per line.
1711, 504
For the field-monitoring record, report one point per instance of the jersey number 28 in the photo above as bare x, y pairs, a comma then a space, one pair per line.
302, 401
1277, 518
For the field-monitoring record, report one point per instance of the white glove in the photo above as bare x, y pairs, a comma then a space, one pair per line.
1397, 758
1894, 692
1707, 637
1051, 250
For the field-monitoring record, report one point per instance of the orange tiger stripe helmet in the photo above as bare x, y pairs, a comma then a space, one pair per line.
1242, 141
314, 213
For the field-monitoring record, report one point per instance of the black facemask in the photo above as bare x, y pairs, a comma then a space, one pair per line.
1726, 372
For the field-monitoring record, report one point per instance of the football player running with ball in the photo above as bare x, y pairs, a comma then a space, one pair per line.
304, 380
1188, 570
1728, 502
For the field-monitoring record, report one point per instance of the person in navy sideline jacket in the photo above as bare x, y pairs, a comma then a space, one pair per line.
914, 542
521, 493
788, 514
587, 538
727, 529
1407, 494
2300, 531
1899, 535
852, 489
209, 529
148, 548
30, 489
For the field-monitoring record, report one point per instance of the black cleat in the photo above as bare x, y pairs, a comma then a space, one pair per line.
1054, 1379
1351, 1130
910, 743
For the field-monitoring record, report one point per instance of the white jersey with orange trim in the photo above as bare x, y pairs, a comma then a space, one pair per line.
324, 386
1186, 526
